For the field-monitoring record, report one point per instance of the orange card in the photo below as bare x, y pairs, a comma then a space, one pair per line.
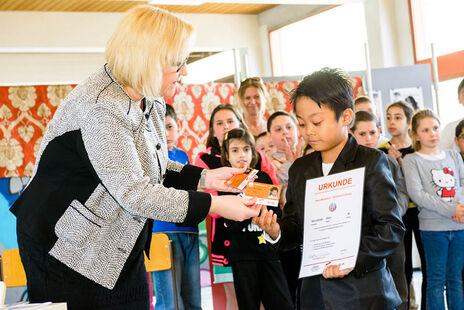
266, 194
240, 180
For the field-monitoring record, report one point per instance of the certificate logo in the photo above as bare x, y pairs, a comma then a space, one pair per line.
332, 206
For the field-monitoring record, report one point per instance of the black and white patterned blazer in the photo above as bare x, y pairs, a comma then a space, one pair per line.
98, 178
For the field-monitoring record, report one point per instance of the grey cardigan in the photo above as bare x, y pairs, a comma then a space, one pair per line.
436, 186
98, 177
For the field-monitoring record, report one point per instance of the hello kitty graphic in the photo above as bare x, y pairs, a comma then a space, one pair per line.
444, 179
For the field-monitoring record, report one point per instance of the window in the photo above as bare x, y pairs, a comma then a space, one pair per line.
332, 38
450, 109
440, 23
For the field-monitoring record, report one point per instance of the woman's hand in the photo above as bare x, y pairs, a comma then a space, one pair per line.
234, 207
267, 221
333, 272
216, 178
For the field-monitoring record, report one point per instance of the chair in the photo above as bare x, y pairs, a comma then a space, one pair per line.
12, 272
161, 259
12, 269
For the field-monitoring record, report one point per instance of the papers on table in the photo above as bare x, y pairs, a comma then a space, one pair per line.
332, 221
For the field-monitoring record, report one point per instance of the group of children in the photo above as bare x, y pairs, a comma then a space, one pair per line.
411, 186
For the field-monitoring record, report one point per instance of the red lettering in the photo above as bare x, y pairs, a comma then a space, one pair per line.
335, 184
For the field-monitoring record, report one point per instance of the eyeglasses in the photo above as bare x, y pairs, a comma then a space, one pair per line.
461, 137
182, 65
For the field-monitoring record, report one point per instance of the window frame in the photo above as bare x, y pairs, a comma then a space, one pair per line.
292, 22
450, 66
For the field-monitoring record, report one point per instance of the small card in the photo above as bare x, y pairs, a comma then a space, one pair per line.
266, 194
240, 180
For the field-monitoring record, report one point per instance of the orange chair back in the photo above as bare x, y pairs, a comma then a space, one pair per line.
12, 268
160, 253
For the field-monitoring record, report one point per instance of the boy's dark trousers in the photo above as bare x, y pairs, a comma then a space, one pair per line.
374, 290
256, 281
395, 263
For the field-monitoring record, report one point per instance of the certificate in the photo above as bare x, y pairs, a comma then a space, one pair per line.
332, 221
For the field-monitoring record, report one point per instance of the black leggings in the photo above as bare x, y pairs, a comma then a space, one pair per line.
256, 281
411, 221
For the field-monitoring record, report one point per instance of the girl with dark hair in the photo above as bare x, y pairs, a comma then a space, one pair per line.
399, 116
223, 119
257, 271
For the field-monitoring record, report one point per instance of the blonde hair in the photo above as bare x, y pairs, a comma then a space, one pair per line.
252, 82
145, 42
418, 116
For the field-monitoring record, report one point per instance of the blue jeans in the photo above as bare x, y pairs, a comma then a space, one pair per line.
187, 268
444, 257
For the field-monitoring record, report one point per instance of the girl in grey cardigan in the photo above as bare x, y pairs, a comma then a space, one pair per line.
434, 180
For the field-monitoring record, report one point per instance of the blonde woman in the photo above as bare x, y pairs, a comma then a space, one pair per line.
103, 174
251, 97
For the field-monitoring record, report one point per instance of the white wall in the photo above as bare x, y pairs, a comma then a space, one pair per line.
92, 30
389, 33
388, 25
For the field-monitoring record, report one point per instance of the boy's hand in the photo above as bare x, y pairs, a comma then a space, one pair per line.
300, 147
333, 272
457, 219
290, 155
267, 221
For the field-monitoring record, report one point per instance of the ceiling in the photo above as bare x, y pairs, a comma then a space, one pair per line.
124, 5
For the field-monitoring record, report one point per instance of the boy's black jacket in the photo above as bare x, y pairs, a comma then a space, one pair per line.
382, 227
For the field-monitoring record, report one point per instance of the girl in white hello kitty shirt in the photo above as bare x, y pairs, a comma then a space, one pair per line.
434, 180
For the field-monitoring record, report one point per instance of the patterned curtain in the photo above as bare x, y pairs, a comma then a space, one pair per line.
26, 110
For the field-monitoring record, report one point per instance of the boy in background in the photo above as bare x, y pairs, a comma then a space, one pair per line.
265, 144
367, 133
185, 244
364, 103
459, 137
323, 103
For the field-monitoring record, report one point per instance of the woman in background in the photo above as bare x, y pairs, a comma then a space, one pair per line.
251, 97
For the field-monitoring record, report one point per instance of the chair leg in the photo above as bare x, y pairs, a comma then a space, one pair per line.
2, 293
173, 272
23, 296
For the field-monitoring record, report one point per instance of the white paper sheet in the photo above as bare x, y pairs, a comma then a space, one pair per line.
332, 223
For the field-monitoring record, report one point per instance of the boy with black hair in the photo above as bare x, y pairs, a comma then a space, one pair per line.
323, 103
448, 132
